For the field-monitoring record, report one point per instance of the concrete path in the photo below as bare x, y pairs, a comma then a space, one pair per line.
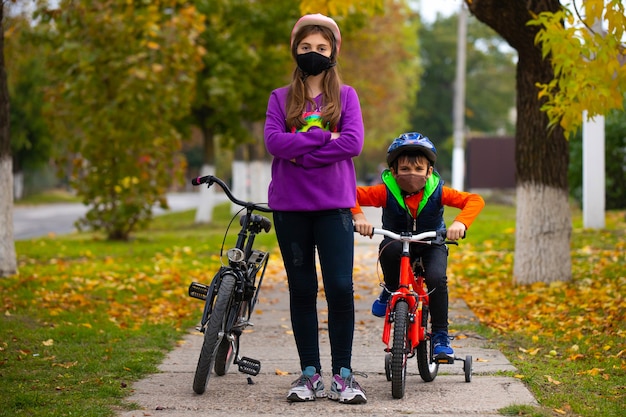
169, 393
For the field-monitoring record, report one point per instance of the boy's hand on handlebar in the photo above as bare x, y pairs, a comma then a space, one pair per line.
362, 226
456, 231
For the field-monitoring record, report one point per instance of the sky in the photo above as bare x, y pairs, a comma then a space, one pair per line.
430, 8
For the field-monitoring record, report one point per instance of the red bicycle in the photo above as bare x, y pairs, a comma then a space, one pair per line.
406, 329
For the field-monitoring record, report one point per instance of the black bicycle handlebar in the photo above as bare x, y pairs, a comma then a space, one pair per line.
210, 180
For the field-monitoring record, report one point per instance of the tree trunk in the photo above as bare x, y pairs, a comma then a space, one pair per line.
204, 213
241, 177
260, 166
8, 262
543, 230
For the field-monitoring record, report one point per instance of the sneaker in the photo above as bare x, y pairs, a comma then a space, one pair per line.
308, 387
345, 389
441, 344
379, 307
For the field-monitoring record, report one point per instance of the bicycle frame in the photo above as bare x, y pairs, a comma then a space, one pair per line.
231, 296
406, 318
411, 290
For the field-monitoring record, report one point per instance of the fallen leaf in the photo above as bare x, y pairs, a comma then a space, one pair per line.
552, 380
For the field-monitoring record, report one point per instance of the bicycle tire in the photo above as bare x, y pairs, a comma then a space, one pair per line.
212, 333
399, 350
426, 365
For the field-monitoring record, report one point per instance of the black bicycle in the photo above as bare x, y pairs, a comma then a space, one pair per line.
230, 298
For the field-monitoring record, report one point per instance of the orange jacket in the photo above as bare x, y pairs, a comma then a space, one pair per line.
376, 196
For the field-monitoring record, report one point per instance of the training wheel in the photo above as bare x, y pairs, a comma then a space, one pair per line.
388, 366
467, 367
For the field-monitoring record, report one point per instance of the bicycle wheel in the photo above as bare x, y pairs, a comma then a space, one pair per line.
212, 333
399, 350
427, 366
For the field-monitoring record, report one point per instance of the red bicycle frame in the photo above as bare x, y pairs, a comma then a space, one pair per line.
411, 290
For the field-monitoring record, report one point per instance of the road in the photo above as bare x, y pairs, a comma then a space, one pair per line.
40, 220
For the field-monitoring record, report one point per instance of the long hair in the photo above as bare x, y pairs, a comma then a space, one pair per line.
297, 98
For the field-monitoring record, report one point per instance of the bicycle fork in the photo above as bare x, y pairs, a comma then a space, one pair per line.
244, 364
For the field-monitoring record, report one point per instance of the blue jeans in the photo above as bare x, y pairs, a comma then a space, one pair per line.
331, 233
435, 260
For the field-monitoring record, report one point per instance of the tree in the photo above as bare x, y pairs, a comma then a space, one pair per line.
241, 64
490, 91
31, 143
8, 262
542, 250
381, 61
589, 69
125, 72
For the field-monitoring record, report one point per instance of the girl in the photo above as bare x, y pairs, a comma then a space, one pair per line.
313, 129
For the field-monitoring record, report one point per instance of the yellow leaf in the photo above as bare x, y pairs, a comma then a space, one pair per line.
552, 380
153, 45
65, 365
281, 373
48, 342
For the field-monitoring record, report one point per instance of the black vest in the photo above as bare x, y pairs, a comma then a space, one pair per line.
397, 219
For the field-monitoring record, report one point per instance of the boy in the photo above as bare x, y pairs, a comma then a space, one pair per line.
413, 197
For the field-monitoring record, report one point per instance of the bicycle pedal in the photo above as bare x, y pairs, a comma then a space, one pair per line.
249, 366
442, 358
199, 291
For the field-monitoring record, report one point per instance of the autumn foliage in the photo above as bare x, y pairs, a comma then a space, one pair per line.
563, 336
81, 304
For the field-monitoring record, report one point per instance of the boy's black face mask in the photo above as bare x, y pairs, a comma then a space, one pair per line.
313, 63
411, 183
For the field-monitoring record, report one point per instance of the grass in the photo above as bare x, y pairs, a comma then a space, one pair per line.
86, 317
565, 339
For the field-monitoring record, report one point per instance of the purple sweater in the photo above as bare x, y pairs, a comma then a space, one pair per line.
323, 175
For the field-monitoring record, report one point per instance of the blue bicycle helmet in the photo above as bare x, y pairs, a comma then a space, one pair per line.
412, 141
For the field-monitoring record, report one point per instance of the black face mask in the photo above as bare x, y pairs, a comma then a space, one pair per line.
313, 63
